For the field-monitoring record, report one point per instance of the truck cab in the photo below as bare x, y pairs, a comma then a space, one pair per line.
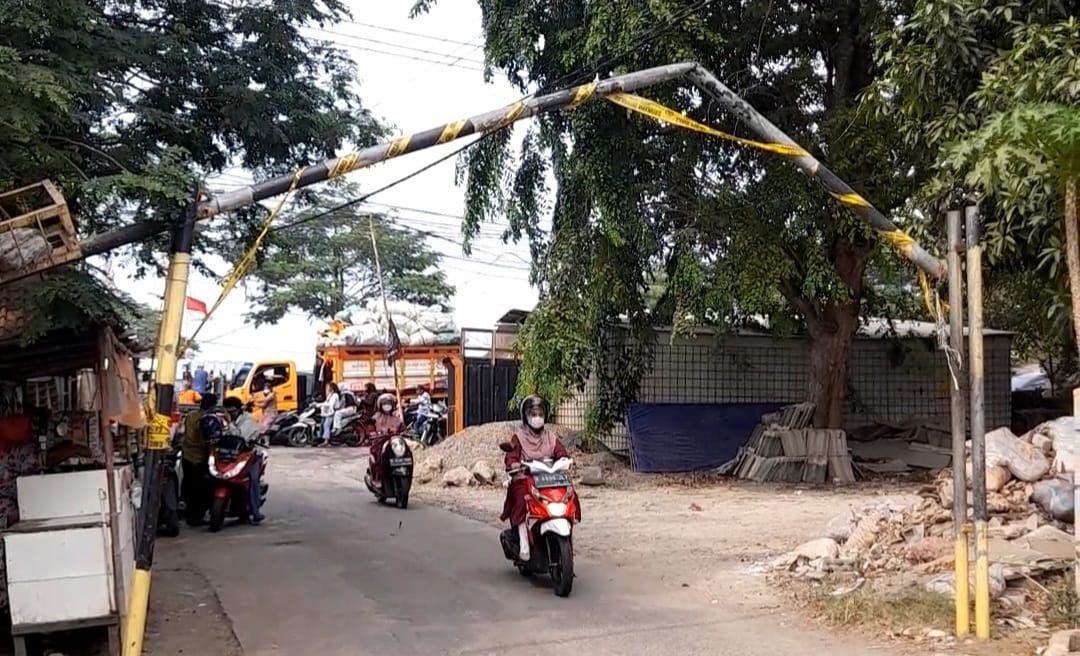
290, 385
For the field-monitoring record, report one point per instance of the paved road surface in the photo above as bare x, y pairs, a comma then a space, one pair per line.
332, 573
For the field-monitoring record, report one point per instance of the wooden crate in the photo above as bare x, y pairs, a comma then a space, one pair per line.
36, 231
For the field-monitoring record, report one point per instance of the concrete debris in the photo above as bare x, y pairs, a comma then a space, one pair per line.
428, 469
945, 584
458, 477
1024, 460
592, 475
483, 473
1064, 643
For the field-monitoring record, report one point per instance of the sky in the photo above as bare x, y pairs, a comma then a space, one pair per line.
413, 75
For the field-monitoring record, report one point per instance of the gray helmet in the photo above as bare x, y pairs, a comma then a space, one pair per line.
531, 403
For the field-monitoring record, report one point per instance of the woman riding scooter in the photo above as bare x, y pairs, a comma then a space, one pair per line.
387, 425
531, 441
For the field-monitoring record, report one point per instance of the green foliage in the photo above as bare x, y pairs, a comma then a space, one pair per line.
987, 90
325, 265
732, 233
68, 299
127, 104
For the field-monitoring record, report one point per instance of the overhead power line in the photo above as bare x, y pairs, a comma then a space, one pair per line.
407, 32
369, 40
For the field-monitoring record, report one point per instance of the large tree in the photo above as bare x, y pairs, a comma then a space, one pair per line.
128, 104
988, 90
739, 234
326, 263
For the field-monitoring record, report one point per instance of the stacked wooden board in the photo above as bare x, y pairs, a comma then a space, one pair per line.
782, 449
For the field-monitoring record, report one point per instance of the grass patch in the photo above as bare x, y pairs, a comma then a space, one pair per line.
911, 607
1061, 609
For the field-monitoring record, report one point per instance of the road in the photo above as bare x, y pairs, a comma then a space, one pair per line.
333, 573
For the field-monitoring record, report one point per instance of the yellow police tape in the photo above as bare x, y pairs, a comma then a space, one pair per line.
451, 131
245, 264
157, 432
896, 238
660, 113
581, 94
345, 164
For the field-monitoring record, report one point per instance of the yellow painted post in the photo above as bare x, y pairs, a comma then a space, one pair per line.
157, 440
978, 426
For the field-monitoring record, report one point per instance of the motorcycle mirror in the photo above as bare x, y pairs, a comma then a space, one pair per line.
506, 447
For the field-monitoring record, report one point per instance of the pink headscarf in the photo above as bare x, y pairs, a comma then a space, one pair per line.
535, 445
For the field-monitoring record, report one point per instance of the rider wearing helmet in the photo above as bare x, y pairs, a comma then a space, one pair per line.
387, 425
532, 440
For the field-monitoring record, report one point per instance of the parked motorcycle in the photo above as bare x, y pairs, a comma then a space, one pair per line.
277, 434
393, 478
351, 432
230, 458
553, 510
305, 431
434, 429
171, 475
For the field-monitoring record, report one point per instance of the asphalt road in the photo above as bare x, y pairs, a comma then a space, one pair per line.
333, 573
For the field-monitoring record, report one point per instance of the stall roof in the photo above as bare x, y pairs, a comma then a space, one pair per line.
49, 325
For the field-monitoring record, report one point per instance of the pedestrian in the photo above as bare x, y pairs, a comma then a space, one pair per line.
200, 379
189, 396
195, 453
327, 408
268, 404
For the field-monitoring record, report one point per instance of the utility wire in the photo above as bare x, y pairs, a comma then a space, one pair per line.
410, 57
406, 32
365, 39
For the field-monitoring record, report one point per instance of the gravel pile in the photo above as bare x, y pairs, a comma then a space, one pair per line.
474, 444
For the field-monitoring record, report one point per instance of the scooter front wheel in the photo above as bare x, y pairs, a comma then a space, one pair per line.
562, 565
217, 514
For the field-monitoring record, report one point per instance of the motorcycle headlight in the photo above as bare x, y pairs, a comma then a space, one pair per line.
556, 509
398, 447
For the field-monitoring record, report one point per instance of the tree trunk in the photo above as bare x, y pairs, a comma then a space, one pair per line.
832, 334
1072, 251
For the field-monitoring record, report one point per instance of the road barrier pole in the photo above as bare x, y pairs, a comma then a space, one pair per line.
157, 437
958, 413
978, 425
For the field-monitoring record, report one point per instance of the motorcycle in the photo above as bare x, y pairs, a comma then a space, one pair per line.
552, 512
305, 431
393, 478
171, 504
354, 430
277, 434
434, 429
230, 458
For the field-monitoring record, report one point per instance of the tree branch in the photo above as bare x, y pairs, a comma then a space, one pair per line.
805, 306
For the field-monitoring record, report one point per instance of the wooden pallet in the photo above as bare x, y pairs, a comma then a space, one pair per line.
36, 231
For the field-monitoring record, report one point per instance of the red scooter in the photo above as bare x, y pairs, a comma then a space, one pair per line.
230, 458
553, 511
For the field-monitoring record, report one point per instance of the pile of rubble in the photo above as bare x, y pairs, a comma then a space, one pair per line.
1031, 518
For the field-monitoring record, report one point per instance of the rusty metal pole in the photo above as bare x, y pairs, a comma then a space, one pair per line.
958, 414
978, 425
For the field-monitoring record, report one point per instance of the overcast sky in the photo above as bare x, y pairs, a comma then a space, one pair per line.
405, 87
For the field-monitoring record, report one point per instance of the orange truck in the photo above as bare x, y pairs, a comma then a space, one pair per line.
440, 368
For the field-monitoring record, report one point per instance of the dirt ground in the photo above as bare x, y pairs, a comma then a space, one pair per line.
185, 615
715, 535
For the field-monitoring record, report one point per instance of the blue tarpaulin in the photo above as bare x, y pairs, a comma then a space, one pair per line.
667, 437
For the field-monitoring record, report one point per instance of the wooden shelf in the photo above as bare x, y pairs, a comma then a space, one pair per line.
36, 231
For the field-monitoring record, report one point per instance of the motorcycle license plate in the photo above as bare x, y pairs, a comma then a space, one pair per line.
543, 480
400, 471
400, 462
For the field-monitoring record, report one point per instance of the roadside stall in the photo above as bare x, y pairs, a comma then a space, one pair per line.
69, 413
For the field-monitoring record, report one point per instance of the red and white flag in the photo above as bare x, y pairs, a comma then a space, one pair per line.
197, 306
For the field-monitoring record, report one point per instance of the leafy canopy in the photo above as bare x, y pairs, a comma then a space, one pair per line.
127, 104
737, 234
325, 265
988, 90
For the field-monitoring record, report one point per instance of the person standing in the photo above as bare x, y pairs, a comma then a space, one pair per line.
250, 431
268, 404
195, 453
189, 396
327, 409
199, 379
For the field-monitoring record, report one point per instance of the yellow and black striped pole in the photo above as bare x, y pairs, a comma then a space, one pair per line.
157, 438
